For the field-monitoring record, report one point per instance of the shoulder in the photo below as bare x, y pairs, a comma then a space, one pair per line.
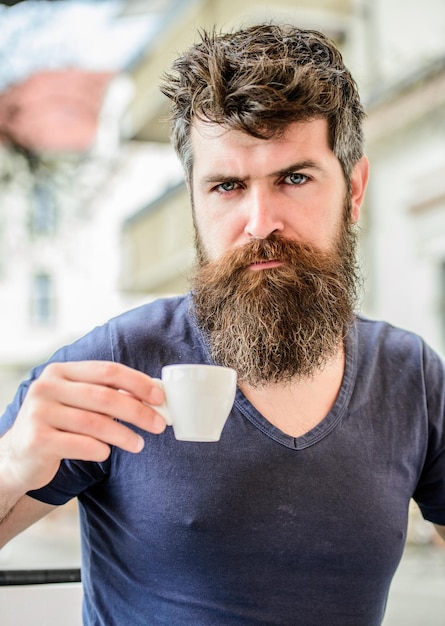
161, 321
390, 339
397, 354
159, 332
149, 322
160, 313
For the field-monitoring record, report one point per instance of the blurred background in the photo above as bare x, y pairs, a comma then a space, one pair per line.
95, 218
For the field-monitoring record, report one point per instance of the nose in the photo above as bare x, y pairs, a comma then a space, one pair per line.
264, 216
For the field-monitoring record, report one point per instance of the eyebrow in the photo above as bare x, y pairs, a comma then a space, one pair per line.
299, 165
289, 169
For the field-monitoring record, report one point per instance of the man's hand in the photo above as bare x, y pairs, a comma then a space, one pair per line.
70, 412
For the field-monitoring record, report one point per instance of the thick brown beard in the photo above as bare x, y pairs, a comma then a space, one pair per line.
278, 324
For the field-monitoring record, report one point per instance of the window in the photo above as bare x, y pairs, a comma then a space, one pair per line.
42, 300
43, 210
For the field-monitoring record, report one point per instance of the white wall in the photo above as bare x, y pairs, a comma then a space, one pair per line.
390, 42
42, 605
407, 228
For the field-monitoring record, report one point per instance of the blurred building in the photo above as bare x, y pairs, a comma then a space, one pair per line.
67, 181
47, 125
404, 237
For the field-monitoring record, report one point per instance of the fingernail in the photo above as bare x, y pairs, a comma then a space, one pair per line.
140, 444
158, 424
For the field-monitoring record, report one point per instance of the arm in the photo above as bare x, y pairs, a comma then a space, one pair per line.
26, 512
440, 530
73, 411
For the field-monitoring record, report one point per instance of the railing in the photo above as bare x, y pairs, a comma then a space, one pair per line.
38, 576
40, 596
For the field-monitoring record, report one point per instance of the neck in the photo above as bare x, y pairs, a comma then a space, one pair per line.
297, 406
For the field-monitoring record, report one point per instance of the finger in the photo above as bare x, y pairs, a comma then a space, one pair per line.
101, 428
80, 447
63, 387
110, 374
97, 399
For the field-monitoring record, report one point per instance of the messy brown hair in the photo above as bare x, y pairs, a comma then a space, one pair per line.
259, 80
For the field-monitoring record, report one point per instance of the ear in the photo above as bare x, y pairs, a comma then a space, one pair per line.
359, 181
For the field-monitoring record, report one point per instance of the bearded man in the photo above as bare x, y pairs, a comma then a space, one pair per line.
298, 514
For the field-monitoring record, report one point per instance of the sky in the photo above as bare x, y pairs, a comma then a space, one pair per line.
37, 34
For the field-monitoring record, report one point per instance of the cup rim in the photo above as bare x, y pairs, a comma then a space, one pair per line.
197, 365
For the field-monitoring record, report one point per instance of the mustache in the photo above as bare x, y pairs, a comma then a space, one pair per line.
291, 253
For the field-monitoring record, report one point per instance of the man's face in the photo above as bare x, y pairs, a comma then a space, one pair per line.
276, 281
245, 188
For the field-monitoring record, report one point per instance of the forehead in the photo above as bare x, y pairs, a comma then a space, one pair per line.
214, 145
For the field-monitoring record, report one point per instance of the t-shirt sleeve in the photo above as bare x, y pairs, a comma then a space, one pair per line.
430, 491
71, 480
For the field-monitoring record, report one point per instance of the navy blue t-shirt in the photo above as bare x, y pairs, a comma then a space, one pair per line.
260, 527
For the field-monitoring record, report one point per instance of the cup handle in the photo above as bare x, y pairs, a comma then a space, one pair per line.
162, 409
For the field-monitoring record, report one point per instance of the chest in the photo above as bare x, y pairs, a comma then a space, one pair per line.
239, 500
227, 523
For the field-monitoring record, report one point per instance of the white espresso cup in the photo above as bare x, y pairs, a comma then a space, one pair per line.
198, 400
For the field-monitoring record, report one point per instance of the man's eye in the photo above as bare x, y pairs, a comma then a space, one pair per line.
296, 179
229, 185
